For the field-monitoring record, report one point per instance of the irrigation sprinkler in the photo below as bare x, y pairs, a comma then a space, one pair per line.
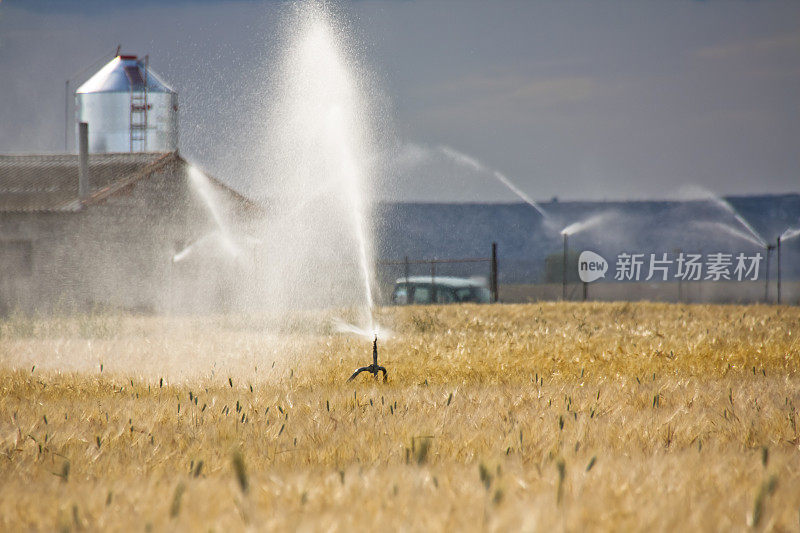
789, 233
778, 249
564, 269
753, 238
573, 229
677, 252
495, 289
769, 247
374, 368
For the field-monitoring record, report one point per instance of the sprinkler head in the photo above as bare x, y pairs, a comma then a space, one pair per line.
374, 368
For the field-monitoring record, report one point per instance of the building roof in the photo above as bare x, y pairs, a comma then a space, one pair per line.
50, 182
123, 74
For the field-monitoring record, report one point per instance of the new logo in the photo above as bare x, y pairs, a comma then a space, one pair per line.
591, 266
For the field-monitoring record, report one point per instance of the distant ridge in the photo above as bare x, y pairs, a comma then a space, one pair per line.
422, 230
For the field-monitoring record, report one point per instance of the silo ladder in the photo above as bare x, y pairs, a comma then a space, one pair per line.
139, 108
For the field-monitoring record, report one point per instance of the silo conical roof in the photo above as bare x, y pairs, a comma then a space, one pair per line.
123, 74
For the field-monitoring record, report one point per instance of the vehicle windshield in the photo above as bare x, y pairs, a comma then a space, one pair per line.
400, 295
425, 293
482, 295
422, 294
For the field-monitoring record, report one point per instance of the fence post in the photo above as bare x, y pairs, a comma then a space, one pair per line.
766, 282
778, 246
493, 274
433, 281
677, 252
564, 270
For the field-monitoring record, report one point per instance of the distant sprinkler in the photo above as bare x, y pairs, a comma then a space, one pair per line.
753, 238
564, 268
572, 229
778, 248
769, 248
374, 368
790, 233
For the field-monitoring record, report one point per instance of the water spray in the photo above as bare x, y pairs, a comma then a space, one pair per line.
589, 222
790, 233
701, 193
761, 243
204, 188
321, 148
477, 166
572, 229
374, 368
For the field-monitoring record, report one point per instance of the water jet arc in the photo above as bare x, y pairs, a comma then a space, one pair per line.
477, 166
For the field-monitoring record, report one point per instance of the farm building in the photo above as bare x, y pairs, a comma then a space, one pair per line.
109, 239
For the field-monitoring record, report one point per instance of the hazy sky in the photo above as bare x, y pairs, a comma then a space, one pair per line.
580, 100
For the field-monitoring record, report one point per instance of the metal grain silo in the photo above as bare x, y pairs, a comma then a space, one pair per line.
128, 108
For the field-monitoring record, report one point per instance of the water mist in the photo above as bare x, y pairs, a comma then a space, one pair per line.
221, 235
470, 162
694, 192
320, 161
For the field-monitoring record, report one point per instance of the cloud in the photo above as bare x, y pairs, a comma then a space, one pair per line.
518, 89
102, 7
510, 101
557, 91
776, 44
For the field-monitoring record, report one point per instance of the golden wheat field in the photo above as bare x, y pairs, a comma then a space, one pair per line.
535, 417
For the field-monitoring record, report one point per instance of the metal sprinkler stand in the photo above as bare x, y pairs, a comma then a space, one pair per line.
373, 368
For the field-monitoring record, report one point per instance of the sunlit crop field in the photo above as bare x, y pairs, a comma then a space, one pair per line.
508, 417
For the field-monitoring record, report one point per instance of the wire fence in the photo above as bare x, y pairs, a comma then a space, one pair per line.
392, 271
